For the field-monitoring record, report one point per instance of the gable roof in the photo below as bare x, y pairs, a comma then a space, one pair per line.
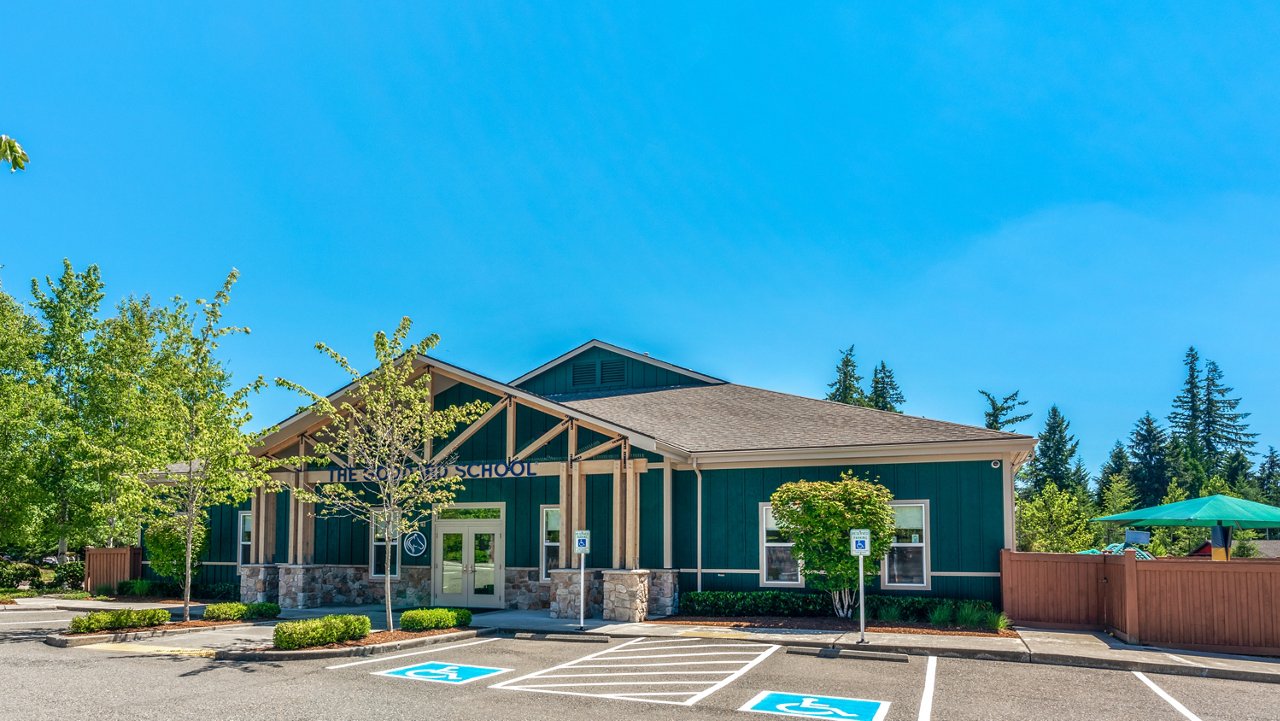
729, 417
641, 357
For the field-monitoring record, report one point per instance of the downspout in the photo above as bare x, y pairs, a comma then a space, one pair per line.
698, 473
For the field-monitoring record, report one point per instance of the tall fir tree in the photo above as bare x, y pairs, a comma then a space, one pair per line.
1118, 464
1055, 460
1149, 450
1000, 415
885, 394
1222, 426
1268, 476
1237, 471
847, 387
1186, 420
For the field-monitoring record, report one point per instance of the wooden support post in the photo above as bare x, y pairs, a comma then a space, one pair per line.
566, 517
618, 543
633, 516
471, 430
511, 431
1132, 615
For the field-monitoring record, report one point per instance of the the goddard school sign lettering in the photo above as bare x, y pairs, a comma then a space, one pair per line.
504, 469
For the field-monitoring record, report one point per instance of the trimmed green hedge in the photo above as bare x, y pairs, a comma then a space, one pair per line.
119, 618
234, 611
426, 619
14, 574
263, 609
292, 635
755, 603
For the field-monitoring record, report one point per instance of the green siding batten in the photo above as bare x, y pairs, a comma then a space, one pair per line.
966, 507
637, 375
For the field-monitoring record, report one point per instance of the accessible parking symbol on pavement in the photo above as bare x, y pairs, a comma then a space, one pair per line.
441, 672
809, 706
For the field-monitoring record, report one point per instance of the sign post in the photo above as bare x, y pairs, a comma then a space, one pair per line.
860, 546
581, 547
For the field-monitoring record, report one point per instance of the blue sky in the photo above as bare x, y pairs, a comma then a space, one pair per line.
1056, 199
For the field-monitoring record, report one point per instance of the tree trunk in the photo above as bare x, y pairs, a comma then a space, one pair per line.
186, 586
386, 577
62, 549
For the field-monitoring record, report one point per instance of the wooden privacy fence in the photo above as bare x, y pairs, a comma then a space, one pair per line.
1216, 606
110, 566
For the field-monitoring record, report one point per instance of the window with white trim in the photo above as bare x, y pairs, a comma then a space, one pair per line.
244, 531
550, 540
778, 564
907, 563
377, 548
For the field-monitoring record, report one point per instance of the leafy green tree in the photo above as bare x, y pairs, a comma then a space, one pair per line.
1186, 420
1055, 521
817, 517
1000, 414
24, 401
847, 387
13, 154
201, 414
69, 314
885, 394
1222, 426
1118, 496
1176, 540
1055, 459
1149, 448
381, 425
166, 541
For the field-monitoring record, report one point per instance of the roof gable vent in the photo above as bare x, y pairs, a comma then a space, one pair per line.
613, 372
584, 374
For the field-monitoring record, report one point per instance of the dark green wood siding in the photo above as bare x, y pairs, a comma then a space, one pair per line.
651, 520
966, 506
637, 375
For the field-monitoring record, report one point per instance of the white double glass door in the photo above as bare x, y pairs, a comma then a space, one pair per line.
468, 564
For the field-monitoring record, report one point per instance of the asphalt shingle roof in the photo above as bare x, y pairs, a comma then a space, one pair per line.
731, 417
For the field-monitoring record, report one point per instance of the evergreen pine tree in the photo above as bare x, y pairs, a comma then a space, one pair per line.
1268, 476
847, 387
1149, 448
1222, 427
1237, 470
1055, 456
885, 394
998, 417
1186, 420
1186, 465
1118, 464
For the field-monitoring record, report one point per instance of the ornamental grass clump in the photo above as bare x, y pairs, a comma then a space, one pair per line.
971, 615
428, 619
311, 632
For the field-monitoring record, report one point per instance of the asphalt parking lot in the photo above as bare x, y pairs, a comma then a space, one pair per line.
508, 678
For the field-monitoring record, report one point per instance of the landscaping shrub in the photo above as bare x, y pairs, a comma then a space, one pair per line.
104, 589
755, 603
13, 575
119, 618
889, 612
147, 588
320, 631
233, 611
997, 621
971, 614
264, 609
941, 614
69, 575
426, 619
223, 591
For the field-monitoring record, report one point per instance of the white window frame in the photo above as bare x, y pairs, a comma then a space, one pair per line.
925, 544
240, 542
542, 537
374, 544
764, 546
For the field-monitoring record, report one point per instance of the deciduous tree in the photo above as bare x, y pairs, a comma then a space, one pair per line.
13, 154
1054, 521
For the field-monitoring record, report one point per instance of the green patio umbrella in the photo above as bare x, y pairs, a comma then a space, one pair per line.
1208, 511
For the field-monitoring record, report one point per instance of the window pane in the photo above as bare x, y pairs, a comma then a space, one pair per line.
905, 566
483, 565
771, 532
244, 553
551, 522
780, 565
910, 524
379, 562
246, 528
451, 561
482, 513
551, 552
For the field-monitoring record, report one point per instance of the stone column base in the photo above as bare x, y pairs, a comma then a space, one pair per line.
260, 583
626, 595
564, 593
664, 593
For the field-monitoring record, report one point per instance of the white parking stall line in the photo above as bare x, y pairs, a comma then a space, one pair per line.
435, 649
1165, 695
35, 621
930, 680
612, 673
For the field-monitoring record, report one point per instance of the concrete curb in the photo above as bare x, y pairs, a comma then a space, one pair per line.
73, 640
303, 654
976, 654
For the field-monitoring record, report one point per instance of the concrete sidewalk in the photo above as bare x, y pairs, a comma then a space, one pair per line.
1063, 648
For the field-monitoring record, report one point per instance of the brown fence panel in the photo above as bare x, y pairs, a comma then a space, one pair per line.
1115, 596
110, 566
1052, 589
1224, 606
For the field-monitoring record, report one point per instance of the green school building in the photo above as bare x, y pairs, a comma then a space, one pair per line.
670, 470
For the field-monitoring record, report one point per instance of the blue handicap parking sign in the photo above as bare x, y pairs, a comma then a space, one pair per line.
442, 672
860, 544
814, 706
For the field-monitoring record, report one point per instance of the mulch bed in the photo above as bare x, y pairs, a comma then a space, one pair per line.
161, 627
827, 623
